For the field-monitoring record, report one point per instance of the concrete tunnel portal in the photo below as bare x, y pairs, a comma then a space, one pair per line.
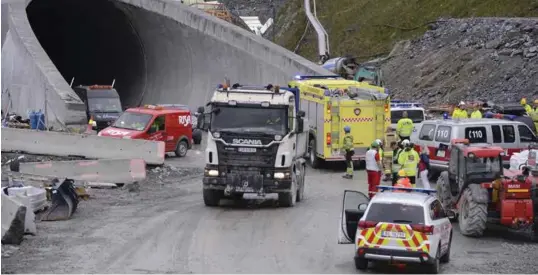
94, 42
157, 51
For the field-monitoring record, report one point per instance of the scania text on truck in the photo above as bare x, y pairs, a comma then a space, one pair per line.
102, 104
257, 137
331, 103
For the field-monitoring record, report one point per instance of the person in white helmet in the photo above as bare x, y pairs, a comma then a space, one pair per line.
459, 111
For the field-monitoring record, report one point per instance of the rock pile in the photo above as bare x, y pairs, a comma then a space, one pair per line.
467, 59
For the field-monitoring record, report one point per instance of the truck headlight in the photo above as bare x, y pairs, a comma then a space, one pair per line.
280, 175
212, 173
278, 137
216, 135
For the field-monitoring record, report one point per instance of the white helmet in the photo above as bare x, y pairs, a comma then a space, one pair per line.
379, 141
461, 103
406, 142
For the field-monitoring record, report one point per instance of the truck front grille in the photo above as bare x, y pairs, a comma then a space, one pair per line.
233, 156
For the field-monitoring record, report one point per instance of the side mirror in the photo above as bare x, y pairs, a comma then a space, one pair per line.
450, 214
301, 113
300, 125
362, 207
205, 121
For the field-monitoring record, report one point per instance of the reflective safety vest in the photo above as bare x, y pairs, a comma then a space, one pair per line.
534, 117
460, 113
476, 114
528, 108
409, 161
395, 165
405, 127
348, 142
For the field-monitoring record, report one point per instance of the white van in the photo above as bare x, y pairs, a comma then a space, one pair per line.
415, 112
513, 136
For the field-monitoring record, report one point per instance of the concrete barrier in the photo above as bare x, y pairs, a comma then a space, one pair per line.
104, 170
89, 146
13, 219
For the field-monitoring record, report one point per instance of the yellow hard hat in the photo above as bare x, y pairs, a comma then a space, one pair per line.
523, 101
402, 173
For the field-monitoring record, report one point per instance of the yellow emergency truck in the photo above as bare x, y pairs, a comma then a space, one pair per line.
332, 102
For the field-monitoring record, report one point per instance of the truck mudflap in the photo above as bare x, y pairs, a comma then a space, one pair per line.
64, 201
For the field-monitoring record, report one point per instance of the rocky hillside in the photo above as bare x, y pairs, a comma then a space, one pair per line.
368, 28
467, 59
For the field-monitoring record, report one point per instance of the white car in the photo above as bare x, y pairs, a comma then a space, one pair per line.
409, 226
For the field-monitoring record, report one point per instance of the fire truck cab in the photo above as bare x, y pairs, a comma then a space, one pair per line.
158, 123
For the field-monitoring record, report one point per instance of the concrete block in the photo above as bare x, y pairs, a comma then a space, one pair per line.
104, 170
13, 220
89, 146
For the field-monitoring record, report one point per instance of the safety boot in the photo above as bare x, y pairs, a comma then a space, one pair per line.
347, 176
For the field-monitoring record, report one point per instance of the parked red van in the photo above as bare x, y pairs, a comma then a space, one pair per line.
153, 122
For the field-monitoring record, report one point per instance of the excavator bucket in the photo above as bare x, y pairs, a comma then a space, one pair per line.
64, 201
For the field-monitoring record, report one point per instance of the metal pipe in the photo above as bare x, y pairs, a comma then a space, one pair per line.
323, 48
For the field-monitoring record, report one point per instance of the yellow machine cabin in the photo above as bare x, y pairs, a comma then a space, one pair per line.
331, 103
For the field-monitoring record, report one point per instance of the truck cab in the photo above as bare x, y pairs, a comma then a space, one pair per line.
256, 142
102, 102
158, 123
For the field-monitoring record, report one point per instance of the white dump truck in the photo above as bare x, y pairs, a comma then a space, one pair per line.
256, 143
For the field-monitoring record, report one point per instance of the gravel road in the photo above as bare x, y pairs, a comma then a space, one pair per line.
165, 228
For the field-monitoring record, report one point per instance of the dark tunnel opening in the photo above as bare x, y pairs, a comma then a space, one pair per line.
93, 42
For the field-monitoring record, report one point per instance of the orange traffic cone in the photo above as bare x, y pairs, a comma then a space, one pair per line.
89, 128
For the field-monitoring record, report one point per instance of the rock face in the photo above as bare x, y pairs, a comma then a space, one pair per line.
467, 59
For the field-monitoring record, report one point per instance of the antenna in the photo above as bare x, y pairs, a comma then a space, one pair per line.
113, 81
72, 81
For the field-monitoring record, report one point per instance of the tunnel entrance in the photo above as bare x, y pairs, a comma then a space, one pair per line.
93, 42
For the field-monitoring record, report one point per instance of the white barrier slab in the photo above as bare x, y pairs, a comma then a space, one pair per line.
13, 220
89, 146
103, 170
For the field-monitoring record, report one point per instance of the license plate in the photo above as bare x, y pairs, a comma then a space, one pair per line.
242, 189
440, 153
392, 234
246, 150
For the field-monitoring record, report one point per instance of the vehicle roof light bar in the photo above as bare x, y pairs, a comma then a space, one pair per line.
416, 190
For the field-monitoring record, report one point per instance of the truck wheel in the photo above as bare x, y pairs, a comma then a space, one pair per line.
212, 197
473, 215
361, 264
312, 157
197, 136
300, 191
289, 199
443, 190
182, 148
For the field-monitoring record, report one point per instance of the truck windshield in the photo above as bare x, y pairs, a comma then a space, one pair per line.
417, 116
104, 104
484, 165
250, 119
132, 121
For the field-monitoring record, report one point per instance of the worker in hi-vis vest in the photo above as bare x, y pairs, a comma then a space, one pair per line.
405, 127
